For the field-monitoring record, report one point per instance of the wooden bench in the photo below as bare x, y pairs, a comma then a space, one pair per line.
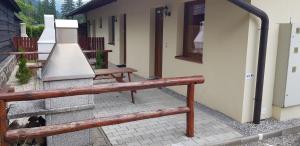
116, 73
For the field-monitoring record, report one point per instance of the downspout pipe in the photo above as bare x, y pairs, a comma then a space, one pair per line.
262, 53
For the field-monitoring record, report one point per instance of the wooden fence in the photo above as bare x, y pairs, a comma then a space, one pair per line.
9, 136
28, 45
86, 43
91, 43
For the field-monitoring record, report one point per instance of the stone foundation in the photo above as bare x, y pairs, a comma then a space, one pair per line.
69, 109
6, 68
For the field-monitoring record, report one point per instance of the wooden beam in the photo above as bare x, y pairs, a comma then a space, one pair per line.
94, 51
105, 88
20, 53
190, 115
21, 134
3, 123
30, 53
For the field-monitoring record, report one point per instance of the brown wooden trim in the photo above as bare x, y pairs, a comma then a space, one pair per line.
190, 115
190, 59
158, 50
105, 88
44, 131
125, 38
3, 123
188, 56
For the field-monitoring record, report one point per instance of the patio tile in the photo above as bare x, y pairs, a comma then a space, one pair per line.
163, 131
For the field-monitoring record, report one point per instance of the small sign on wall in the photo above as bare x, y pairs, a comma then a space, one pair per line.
250, 76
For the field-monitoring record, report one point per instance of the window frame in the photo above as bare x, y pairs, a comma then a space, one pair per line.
186, 54
100, 22
112, 30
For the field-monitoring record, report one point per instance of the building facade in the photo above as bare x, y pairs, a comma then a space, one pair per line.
9, 27
160, 38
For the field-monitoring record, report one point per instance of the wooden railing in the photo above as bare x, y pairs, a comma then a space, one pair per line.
28, 45
86, 43
91, 43
8, 136
86, 52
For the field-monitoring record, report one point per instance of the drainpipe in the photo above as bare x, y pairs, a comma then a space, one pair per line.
262, 53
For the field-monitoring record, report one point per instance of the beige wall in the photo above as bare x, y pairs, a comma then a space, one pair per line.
138, 31
230, 50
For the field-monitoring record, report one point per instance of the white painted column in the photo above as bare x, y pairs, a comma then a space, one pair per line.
23, 30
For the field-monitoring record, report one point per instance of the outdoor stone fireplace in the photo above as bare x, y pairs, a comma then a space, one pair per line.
67, 67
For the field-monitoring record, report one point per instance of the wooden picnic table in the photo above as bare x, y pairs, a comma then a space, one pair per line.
116, 73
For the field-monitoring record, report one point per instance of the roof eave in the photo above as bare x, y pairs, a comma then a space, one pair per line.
90, 6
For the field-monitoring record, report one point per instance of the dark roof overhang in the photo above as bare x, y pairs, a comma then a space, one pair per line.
93, 4
14, 5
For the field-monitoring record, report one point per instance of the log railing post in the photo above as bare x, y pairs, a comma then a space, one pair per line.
3, 123
190, 114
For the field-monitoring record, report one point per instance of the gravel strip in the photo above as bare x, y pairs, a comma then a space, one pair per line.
287, 140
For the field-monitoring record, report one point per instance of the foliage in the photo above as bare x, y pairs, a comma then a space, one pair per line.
32, 11
80, 17
67, 7
99, 59
79, 3
23, 74
34, 31
53, 8
27, 12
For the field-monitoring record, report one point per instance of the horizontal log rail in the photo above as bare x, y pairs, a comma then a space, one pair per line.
8, 136
22, 134
87, 52
98, 89
32, 53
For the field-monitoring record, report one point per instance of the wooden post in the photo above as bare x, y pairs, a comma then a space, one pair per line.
105, 56
190, 114
3, 123
131, 92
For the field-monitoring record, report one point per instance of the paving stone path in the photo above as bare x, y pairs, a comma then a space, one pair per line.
164, 131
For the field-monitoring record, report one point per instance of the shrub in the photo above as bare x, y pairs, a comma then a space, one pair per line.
23, 74
34, 31
99, 59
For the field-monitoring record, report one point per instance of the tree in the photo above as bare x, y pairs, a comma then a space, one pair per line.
40, 13
53, 7
46, 6
79, 3
23, 74
67, 7
27, 12
99, 59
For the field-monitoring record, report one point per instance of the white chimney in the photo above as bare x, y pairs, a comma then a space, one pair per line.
23, 30
47, 39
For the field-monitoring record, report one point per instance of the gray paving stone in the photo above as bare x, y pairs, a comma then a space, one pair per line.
160, 131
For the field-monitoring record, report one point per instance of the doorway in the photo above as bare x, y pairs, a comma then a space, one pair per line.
159, 25
123, 36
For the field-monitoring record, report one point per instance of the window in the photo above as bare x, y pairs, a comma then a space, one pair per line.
194, 16
112, 30
100, 22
